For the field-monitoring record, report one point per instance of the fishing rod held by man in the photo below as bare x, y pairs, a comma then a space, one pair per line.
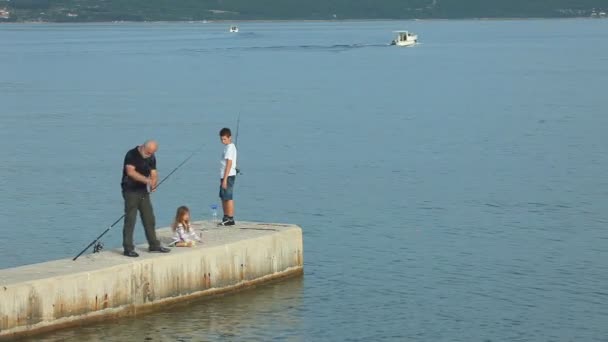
139, 179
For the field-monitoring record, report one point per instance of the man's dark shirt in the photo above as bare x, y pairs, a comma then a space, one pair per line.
143, 166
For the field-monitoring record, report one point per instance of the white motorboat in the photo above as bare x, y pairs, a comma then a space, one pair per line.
405, 38
234, 29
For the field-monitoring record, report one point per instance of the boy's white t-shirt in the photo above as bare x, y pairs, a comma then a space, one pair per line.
229, 153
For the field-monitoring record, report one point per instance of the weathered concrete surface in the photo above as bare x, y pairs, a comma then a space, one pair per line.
55, 294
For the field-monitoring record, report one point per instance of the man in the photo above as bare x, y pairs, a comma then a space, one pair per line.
228, 176
139, 173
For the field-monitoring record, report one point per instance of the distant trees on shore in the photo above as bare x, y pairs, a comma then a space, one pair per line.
186, 10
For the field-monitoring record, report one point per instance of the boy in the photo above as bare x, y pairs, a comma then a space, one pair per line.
228, 176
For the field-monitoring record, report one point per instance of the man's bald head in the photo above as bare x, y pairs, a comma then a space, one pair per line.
149, 148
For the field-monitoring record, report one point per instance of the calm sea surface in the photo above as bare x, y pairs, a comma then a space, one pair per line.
454, 191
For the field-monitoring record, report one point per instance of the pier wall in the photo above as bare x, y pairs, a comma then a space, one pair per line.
61, 293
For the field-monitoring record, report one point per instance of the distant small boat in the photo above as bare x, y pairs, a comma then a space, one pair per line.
405, 38
234, 29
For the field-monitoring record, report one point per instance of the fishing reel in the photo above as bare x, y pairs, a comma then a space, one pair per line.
98, 247
238, 171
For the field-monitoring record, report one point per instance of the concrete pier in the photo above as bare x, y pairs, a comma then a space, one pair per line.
62, 293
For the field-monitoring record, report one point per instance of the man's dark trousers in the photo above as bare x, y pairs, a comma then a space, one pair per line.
135, 201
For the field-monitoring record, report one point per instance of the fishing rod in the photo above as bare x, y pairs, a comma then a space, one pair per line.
236, 141
98, 246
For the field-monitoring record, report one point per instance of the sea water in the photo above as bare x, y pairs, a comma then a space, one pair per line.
453, 191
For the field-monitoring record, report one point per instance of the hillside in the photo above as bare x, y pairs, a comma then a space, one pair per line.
186, 10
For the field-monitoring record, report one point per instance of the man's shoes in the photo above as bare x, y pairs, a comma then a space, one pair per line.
159, 249
227, 222
131, 254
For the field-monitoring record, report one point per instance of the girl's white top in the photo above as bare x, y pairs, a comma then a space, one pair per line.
185, 235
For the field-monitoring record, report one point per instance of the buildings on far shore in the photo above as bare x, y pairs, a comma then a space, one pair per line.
4, 13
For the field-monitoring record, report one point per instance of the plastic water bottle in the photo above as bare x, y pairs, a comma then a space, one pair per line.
214, 213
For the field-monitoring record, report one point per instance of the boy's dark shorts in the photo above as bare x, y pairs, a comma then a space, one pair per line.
226, 194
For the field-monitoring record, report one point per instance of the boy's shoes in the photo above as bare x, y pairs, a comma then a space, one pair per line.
131, 254
227, 222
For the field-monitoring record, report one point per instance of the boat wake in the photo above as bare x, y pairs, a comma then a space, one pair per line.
331, 48
336, 47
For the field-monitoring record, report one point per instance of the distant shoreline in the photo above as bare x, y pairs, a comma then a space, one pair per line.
223, 21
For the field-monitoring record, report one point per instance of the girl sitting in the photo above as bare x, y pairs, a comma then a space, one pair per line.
183, 234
